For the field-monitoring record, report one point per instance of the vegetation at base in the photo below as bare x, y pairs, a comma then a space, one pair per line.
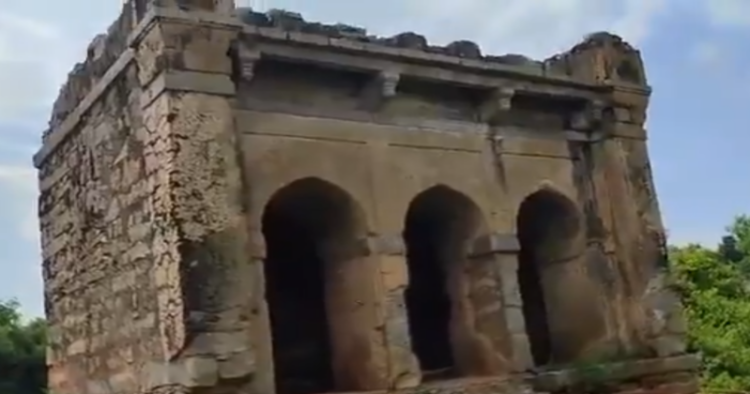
715, 288
714, 284
22, 352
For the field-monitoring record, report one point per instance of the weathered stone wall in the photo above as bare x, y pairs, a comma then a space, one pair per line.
101, 54
155, 187
97, 247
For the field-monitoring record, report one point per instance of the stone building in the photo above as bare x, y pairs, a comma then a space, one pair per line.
237, 202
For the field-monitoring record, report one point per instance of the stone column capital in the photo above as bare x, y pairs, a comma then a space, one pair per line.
384, 244
494, 243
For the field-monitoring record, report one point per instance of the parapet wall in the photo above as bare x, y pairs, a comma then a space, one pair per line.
557, 66
101, 54
621, 63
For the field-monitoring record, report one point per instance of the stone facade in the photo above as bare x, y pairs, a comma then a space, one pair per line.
236, 202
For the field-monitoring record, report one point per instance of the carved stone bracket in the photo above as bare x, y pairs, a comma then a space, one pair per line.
495, 243
496, 105
246, 58
590, 118
382, 87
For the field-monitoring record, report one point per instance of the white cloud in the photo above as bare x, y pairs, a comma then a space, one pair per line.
535, 28
19, 178
36, 54
29, 26
707, 54
31, 58
19, 185
728, 13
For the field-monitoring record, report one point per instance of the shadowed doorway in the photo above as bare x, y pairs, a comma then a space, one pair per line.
547, 224
309, 227
439, 224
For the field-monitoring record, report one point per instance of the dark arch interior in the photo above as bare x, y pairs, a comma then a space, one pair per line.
298, 221
435, 223
546, 222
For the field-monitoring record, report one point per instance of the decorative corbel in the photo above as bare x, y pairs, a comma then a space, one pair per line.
496, 105
382, 87
590, 118
246, 57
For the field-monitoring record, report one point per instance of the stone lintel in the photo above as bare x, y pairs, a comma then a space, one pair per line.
170, 14
497, 104
385, 244
495, 243
628, 95
620, 130
319, 52
628, 131
187, 81
57, 136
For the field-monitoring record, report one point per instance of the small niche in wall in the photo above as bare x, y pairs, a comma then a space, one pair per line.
420, 98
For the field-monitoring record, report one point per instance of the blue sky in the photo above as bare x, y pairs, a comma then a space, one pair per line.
697, 55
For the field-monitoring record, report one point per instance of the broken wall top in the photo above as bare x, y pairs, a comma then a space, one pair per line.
599, 58
294, 22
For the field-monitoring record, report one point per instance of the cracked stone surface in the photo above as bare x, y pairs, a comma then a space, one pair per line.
169, 150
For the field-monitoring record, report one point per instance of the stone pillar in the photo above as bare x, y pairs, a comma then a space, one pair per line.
599, 260
352, 298
633, 232
403, 366
188, 101
503, 250
654, 311
260, 315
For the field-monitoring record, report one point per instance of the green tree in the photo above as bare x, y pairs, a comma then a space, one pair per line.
715, 287
22, 352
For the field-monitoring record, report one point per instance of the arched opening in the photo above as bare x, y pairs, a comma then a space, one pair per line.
310, 228
548, 226
440, 224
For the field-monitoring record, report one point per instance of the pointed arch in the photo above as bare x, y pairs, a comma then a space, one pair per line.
558, 304
441, 226
312, 229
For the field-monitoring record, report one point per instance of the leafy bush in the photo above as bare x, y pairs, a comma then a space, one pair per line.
715, 287
22, 352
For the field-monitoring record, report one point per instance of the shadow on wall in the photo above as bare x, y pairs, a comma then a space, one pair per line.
560, 307
318, 277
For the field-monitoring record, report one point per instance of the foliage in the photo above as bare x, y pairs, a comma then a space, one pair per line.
714, 284
715, 287
22, 352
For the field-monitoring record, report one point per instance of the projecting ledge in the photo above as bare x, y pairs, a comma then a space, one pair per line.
439, 73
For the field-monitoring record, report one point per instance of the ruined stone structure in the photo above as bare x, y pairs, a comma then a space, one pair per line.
237, 202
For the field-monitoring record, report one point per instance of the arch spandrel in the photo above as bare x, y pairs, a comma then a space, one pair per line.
262, 191
398, 208
567, 192
270, 163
